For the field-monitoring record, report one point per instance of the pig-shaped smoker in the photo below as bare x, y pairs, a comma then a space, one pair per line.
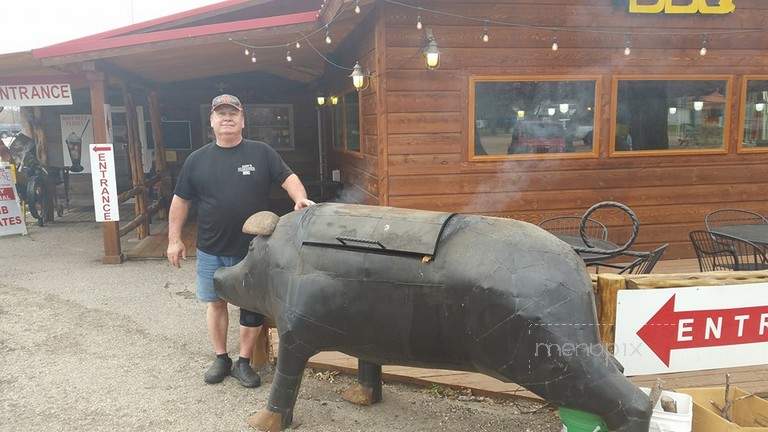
428, 289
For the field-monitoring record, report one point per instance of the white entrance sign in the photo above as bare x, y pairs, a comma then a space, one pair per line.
35, 94
688, 329
11, 219
104, 184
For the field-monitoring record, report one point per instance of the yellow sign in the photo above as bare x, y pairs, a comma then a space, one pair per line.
693, 6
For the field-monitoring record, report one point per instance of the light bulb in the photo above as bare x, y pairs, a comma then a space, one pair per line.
551, 111
246, 52
357, 7
321, 100
298, 44
328, 38
703, 51
418, 22
520, 114
760, 107
627, 51
672, 110
288, 57
485, 36
253, 59
698, 105
433, 59
564, 108
555, 46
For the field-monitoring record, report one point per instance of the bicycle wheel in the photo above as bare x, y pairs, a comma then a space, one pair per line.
36, 198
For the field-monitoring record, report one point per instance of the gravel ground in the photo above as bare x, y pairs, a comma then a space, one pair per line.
90, 347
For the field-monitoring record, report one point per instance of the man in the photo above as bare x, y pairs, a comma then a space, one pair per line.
229, 179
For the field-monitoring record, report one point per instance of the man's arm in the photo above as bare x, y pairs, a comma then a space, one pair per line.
296, 191
176, 218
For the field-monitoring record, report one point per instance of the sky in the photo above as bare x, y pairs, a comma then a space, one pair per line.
28, 24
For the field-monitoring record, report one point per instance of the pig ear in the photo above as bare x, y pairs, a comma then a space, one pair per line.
261, 223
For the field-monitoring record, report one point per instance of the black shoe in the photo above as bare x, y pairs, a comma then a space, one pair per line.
219, 370
247, 377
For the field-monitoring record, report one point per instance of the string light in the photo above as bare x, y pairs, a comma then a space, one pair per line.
432, 53
627, 45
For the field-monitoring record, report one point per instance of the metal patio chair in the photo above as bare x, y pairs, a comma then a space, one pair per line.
725, 217
716, 251
569, 225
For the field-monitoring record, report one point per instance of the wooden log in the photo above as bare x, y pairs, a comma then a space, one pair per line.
694, 279
134, 156
608, 286
139, 220
161, 166
111, 232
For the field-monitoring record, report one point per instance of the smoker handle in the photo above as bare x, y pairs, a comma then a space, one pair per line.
344, 240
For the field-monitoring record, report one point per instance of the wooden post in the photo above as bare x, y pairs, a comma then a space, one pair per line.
260, 356
161, 166
111, 230
608, 286
137, 167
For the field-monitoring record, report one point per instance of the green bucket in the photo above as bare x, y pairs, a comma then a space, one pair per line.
581, 421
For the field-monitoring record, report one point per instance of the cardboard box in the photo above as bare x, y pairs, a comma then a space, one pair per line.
749, 414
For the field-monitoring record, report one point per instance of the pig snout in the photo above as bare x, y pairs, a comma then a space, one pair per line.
228, 283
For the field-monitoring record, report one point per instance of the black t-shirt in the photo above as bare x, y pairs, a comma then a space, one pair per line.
228, 185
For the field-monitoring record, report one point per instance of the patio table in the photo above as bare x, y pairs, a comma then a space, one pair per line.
755, 233
589, 258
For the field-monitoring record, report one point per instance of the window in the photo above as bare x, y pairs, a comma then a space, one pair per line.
670, 116
519, 118
754, 116
346, 122
352, 121
338, 125
272, 124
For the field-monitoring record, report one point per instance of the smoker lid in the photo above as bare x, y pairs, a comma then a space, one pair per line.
384, 229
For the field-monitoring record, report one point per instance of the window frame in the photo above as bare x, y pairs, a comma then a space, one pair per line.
596, 117
727, 114
291, 123
344, 148
740, 148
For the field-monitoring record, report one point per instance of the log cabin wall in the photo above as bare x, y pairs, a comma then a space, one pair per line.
428, 114
360, 170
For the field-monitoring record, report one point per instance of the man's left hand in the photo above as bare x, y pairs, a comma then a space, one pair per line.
303, 203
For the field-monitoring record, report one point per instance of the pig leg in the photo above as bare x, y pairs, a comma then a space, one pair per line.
593, 383
367, 391
278, 414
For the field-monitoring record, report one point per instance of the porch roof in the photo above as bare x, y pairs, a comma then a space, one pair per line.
199, 43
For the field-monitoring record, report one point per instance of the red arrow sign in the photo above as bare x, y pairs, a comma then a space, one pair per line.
670, 330
98, 149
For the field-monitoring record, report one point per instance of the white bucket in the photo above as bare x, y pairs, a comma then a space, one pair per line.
680, 421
